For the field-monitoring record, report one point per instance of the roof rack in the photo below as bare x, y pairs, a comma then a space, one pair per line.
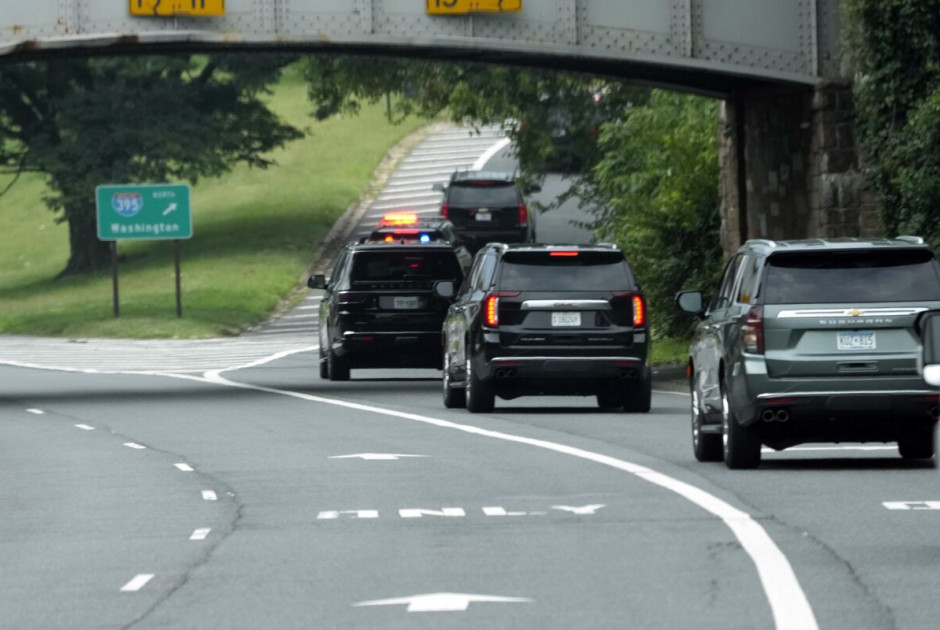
761, 241
914, 240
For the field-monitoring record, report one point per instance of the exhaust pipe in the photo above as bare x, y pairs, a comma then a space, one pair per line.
627, 375
934, 412
768, 415
783, 415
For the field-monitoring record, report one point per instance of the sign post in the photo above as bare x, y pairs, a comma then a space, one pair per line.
144, 212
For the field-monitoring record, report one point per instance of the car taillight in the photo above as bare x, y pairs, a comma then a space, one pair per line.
491, 307
639, 311
523, 214
752, 330
351, 297
445, 211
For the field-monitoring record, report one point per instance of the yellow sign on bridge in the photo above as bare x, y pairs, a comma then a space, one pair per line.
459, 7
182, 8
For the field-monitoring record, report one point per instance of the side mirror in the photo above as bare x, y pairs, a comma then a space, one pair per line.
444, 289
317, 281
928, 363
438, 187
691, 302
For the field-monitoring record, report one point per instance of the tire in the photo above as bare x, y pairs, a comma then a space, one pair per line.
337, 367
324, 367
740, 445
706, 446
639, 399
454, 398
917, 444
480, 396
609, 401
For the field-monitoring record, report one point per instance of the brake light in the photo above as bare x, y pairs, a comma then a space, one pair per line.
563, 254
523, 214
445, 210
639, 311
752, 330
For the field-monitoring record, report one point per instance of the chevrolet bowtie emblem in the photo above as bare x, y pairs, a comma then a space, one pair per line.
855, 312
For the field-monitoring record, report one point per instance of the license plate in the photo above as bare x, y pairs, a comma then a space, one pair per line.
405, 302
484, 216
855, 340
566, 319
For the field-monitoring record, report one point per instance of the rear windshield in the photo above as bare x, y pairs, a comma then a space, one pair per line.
868, 276
575, 273
482, 194
397, 265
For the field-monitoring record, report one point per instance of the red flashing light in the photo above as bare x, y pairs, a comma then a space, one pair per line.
394, 219
639, 311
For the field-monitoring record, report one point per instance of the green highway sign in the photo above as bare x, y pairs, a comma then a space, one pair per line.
143, 212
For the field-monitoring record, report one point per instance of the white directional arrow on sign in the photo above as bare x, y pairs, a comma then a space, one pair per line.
375, 456
442, 602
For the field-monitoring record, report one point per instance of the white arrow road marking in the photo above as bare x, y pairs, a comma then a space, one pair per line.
201, 533
375, 456
788, 603
443, 602
184, 467
912, 505
209, 495
584, 509
137, 583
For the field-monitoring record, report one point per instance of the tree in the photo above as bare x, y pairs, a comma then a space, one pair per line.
896, 49
85, 122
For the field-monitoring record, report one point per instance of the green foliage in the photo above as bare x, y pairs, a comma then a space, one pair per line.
85, 122
896, 47
659, 173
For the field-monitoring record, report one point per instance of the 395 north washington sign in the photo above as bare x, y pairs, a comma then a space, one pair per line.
143, 212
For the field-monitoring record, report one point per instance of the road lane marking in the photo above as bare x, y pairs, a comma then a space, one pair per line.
374, 456
135, 445
137, 583
335, 514
200, 534
209, 495
584, 509
184, 467
443, 602
85, 427
449, 512
788, 603
489, 153
38, 412
912, 505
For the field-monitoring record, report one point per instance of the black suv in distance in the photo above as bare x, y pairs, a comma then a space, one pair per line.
547, 319
487, 207
379, 309
813, 341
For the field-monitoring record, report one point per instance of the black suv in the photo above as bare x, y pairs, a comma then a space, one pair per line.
487, 207
547, 319
813, 341
379, 309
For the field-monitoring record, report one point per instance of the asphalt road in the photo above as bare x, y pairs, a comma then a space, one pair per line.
188, 496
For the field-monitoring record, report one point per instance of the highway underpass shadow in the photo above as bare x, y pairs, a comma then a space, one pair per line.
845, 463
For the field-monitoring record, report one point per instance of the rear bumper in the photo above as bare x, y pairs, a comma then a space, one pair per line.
479, 236
391, 349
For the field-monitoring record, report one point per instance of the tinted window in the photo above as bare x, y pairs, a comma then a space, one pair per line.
580, 273
468, 193
868, 276
404, 265
723, 297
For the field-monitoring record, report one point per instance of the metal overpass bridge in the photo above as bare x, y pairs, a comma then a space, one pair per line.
789, 161
704, 45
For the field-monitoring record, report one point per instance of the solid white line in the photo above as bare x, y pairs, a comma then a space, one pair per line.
38, 412
139, 447
209, 495
137, 583
788, 603
85, 427
200, 534
489, 153
184, 467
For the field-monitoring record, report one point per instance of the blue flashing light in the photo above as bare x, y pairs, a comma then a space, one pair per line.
425, 238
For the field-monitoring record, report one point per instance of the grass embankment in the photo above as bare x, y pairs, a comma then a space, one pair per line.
254, 234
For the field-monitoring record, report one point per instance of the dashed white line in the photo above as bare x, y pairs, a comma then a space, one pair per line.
201, 533
209, 495
85, 427
134, 445
184, 467
38, 412
137, 583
